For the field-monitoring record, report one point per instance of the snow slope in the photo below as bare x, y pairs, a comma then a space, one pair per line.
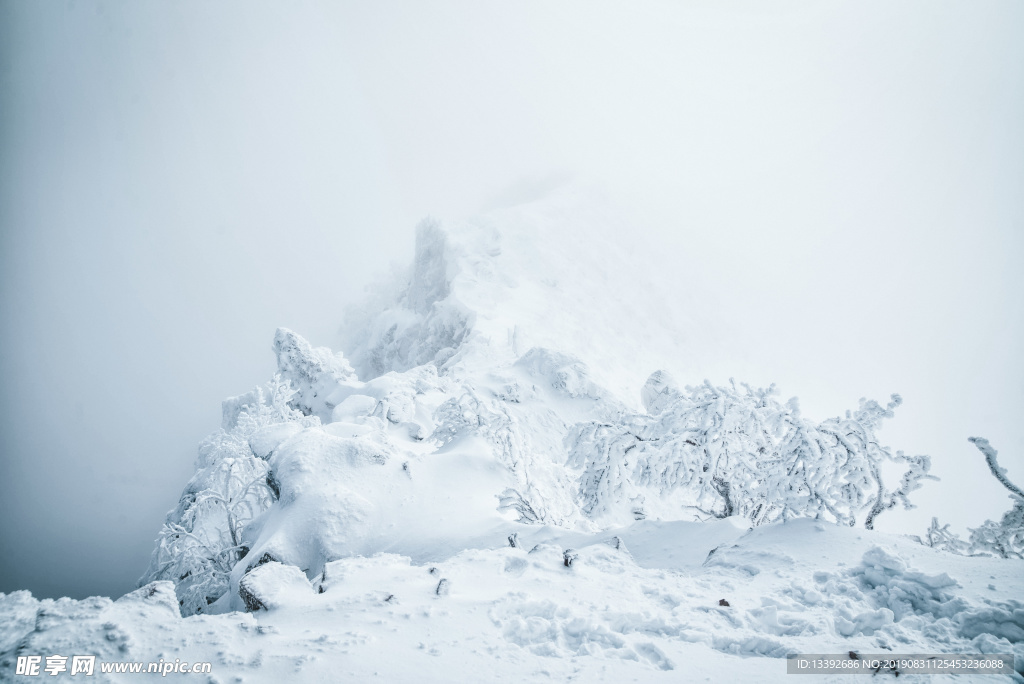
451, 499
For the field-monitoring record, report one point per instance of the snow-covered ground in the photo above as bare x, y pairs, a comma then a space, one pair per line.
641, 604
490, 485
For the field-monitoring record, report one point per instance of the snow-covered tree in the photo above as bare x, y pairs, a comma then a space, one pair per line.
202, 539
1004, 539
941, 537
736, 450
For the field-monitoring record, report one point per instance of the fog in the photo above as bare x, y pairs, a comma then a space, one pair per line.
846, 180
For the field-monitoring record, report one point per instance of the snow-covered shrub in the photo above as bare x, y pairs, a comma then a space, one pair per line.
1005, 538
201, 540
736, 450
941, 537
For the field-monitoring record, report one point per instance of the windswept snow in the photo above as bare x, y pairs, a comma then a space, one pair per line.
483, 487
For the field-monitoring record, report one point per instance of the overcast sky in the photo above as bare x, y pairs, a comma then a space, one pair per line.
179, 179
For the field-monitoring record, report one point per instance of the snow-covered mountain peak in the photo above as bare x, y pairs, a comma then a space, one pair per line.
555, 273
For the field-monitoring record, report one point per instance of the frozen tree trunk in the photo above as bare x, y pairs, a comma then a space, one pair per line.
724, 489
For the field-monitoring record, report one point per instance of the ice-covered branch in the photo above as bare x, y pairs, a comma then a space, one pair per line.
997, 471
1004, 538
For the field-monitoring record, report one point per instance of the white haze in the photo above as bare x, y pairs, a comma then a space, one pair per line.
839, 182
